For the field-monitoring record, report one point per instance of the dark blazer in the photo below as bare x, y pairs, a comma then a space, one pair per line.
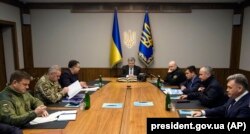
125, 70
212, 96
175, 78
241, 109
191, 85
8, 129
67, 78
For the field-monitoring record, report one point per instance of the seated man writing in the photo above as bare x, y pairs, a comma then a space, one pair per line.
19, 107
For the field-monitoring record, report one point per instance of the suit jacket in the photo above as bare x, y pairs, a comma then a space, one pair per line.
241, 109
212, 96
125, 70
175, 78
191, 85
67, 78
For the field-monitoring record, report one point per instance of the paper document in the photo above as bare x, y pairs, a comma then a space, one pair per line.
175, 97
64, 117
143, 103
74, 89
90, 89
196, 117
188, 112
172, 91
70, 105
52, 117
112, 105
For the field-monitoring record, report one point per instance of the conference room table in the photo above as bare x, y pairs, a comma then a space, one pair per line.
129, 119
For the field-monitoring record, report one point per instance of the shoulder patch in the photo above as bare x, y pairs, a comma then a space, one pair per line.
5, 108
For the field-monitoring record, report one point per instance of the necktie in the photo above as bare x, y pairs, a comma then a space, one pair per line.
231, 105
130, 71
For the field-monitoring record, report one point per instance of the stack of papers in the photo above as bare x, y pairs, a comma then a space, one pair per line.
127, 79
186, 112
56, 116
143, 103
196, 117
172, 91
112, 105
175, 97
76, 98
90, 89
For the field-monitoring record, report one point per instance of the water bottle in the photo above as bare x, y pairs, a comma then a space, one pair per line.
158, 84
87, 101
100, 80
168, 105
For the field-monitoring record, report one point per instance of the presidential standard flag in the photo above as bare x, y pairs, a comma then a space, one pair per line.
146, 43
116, 49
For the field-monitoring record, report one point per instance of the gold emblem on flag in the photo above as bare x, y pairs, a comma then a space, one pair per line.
129, 38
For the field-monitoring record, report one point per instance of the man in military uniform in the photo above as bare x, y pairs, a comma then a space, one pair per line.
48, 89
175, 75
18, 107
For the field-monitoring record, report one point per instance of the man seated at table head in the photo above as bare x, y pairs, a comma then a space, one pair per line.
238, 106
193, 81
131, 69
48, 89
70, 75
211, 93
17, 106
175, 75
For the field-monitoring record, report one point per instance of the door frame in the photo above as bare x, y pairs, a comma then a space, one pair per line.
12, 25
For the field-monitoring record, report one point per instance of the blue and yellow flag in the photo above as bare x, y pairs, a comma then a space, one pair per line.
146, 44
116, 49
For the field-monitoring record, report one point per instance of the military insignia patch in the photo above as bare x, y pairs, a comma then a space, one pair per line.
175, 76
5, 108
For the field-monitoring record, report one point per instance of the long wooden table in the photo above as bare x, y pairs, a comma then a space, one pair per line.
127, 120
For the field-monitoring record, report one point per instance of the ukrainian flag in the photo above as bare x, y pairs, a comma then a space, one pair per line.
116, 50
146, 44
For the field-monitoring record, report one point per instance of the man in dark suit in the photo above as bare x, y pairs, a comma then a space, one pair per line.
8, 129
211, 93
131, 69
238, 106
175, 75
193, 81
70, 75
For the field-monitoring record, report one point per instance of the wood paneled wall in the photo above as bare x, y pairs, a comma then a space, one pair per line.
89, 74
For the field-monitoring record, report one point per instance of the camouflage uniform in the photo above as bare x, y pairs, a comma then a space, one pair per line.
17, 108
48, 91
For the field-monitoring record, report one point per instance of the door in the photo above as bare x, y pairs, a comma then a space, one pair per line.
3, 80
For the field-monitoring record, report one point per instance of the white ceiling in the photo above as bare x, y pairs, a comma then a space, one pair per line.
170, 1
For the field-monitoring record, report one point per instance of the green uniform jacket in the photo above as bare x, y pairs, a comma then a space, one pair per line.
17, 108
47, 91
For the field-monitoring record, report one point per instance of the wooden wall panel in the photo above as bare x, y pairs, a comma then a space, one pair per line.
247, 74
27, 46
89, 74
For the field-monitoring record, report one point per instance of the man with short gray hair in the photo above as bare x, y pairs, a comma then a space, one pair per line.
48, 89
238, 106
131, 69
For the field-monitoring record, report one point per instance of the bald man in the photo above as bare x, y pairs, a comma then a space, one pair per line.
211, 93
175, 75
